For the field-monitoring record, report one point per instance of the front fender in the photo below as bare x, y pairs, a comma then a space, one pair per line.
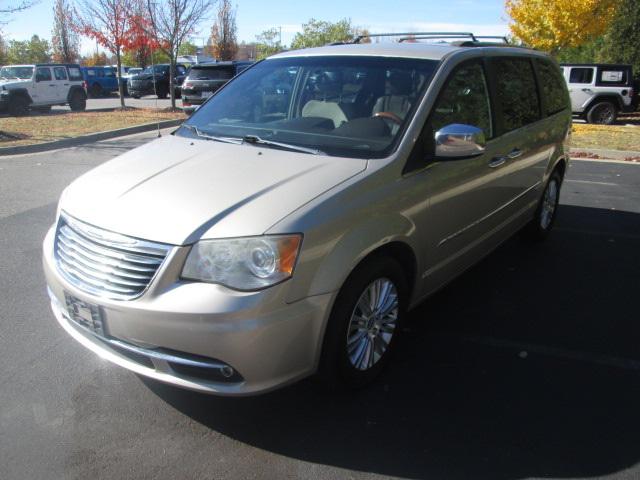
328, 264
23, 92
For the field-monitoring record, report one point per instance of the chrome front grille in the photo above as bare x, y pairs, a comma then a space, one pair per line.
104, 263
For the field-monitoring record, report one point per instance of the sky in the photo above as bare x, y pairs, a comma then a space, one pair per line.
482, 17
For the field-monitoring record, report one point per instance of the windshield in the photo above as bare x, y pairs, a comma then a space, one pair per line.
159, 70
16, 72
211, 73
344, 106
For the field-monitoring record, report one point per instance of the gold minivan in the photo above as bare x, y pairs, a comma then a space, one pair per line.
287, 227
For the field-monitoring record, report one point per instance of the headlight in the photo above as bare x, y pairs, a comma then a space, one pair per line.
248, 263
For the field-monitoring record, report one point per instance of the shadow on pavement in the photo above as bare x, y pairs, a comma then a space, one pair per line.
462, 399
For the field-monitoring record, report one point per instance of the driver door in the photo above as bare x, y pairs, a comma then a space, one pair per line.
45, 90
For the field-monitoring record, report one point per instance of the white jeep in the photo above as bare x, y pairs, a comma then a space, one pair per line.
600, 91
40, 86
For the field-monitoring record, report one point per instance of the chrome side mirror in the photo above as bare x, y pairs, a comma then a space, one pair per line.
457, 141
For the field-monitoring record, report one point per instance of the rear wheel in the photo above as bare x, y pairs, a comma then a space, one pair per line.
162, 92
545, 215
18, 106
602, 113
78, 102
364, 325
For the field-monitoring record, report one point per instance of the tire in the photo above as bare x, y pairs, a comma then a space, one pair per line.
78, 102
18, 106
602, 113
96, 90
350, 353
135, 96
162, 93
539, 227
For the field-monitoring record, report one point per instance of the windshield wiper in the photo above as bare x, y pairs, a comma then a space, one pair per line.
194, 129
255, 140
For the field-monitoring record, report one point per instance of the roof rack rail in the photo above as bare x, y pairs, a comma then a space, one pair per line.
418, 34
476, 38
494, 37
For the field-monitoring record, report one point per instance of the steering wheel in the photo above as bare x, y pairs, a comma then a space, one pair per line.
389, 116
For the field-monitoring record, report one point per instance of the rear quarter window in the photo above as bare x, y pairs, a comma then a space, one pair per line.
552, 87
75, 74
613, 77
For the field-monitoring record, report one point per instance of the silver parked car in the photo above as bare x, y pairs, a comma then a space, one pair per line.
287, 227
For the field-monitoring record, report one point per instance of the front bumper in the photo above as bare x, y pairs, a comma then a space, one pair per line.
267, 342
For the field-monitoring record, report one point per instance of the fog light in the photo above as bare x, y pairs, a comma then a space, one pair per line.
226, 371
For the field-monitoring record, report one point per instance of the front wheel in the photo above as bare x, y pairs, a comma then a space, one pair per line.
545, 216
364, 325
18, 106
96, 90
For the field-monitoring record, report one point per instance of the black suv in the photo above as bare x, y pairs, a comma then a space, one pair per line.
142, 84
205, 78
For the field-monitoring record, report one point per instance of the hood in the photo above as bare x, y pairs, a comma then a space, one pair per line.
9, 82
146, 76
177, 190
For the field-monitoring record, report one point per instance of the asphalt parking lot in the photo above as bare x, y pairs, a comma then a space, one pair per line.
527, 366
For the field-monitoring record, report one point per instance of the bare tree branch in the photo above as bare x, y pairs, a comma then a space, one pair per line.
172, 22
14, 7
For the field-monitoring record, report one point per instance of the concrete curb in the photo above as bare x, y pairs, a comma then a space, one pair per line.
606, 153
90, 138
603, 160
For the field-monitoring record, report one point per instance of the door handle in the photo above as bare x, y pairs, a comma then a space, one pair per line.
587, 90
497, 161
52, 84
515, 153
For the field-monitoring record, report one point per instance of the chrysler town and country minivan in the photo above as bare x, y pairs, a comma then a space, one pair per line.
287, 227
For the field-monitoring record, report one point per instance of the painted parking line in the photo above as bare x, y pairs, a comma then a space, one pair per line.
593, 182
524, 349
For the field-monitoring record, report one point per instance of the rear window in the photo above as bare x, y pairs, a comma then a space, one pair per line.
581, 75
217, 73
517, 92
552, 87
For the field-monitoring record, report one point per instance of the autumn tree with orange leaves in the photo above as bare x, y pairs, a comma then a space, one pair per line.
108, 22
552, 25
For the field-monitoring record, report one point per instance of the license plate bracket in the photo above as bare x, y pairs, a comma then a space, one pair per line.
86, 315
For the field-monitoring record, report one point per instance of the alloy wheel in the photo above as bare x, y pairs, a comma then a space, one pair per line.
549, 204
372, 324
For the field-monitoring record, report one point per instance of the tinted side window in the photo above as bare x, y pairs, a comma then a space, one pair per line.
60, 73
516, 92
43, 74
552, 87
464, 99
581, 75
